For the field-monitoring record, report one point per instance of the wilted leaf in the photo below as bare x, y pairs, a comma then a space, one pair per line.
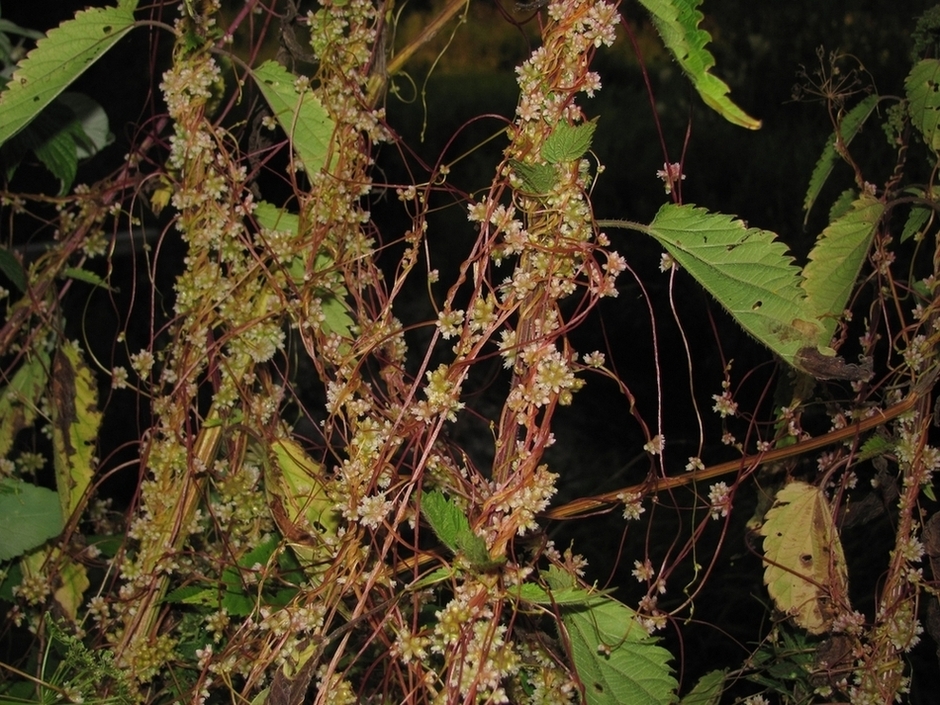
75, 423
20, 399
805, 569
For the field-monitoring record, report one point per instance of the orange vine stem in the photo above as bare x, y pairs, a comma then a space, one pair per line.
606, 501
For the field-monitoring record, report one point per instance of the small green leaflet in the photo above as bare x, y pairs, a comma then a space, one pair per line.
677, 22
849, 127
923, 95
29, 516
451, 526
617, 661
299, 113
537, 179
568, 142
58, 59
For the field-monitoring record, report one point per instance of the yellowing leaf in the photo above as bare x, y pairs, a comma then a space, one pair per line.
73, 581
805, 569
298, 500
75, 422
20, 399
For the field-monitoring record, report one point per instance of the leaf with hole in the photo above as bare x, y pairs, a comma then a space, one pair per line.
58, 59
616, 659
804, 566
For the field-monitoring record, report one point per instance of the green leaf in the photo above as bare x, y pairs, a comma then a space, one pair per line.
915, 222
20, 399
677, 22
747, 270
75, 423
300, 114
849, 126
93, 121
707, 691
834, 263
83, 275
237, 600
875, 446
538, 595
29, 516
537, 179
923, 96
568, 142
445, 518
58, 59
13, 269
617, 661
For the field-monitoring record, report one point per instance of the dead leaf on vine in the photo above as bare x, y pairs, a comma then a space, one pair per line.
805, 569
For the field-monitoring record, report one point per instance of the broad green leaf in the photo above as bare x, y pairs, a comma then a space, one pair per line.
923, 96
58, 59
805, 570
849, 126
677, 22
19, 400
568, 142
13, 269
834, 263
707, 691
299, 113
747, 270
29, 516
75, 423
273, 218
617, 661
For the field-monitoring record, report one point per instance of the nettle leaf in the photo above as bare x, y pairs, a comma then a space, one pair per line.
29, 516
538, 595
849, 127
707, 691
677, 22
299, 113
75, 423
58, 59
239, 600
747, 270
835, 260
13, 269
616, 659
916, 219
20, 399
537, 179
805, 570
923, 96
568, 142
445, 518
